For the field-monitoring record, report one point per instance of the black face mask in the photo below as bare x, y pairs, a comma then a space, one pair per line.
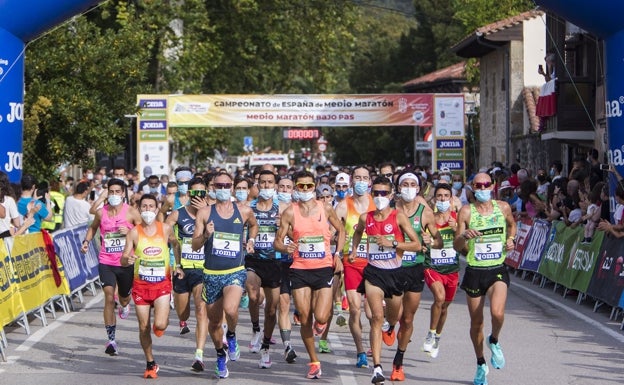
541, 178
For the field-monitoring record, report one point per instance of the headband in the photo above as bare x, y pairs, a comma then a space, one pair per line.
409, 175
182, 174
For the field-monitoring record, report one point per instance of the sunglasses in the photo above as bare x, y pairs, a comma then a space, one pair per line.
180, 183
197, 193
223, 185
389, 175
482, 185
304, 186
380, 193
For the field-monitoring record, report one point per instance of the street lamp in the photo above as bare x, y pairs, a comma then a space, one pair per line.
130, 162
470, 110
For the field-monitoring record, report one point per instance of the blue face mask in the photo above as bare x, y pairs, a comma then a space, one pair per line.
341, 194
284, 197
483, 195
223, 194
267, 193
457, 185
241, 195
183, 188
306, 196
212, 194
153, 190
360, 188
443, 206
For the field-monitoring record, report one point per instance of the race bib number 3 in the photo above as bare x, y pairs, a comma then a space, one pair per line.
487, 251
226, 245
312, 247
114, 242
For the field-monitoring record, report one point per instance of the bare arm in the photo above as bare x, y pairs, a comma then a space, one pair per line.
357, 237
199, 235
285, 227
250, 219
462, 234
128, 257
405, 225
91, 231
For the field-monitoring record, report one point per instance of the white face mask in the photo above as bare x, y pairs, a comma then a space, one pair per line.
306, 196
408, 194
267, 193
148, 217
381, 202
114, 200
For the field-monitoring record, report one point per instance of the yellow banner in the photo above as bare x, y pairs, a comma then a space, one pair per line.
11, 305
300, 110
33, 271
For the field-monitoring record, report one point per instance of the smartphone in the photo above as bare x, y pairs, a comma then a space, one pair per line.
605, 167
540, 68
92, 195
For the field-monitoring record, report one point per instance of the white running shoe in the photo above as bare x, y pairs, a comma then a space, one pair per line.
265, 360
429, 341
254, 344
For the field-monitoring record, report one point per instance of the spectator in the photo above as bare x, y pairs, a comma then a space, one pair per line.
147, 172
556, 168
513, 179
595, 173
76, 207
532, 205
30, 195
554, 202
592, 216
542, 184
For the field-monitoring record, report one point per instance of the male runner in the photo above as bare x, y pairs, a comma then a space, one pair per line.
349, 211
312, 270
114, 221
219, 229
441, 268
486, 231
421, 219
383, 277
263, 269
192, 263
147, 252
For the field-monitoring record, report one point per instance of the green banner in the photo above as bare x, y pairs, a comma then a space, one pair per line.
567, 261
450, 154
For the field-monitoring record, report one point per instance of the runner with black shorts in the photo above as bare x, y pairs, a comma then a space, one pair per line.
486, 231
383, 278
312, 270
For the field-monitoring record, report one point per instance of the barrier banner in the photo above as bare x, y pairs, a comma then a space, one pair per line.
555, 257
79, 268
299, 110
534, 245
11, 305
33, 271
607, 283
581, 261
523, 229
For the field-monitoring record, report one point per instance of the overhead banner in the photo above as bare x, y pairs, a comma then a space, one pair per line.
300, 110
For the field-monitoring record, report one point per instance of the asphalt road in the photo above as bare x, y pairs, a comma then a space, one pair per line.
547, 339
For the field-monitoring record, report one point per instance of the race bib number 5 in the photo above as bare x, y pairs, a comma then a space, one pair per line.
487, 251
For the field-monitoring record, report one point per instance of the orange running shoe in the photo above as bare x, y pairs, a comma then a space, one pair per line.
388, 337
397, 373
315, 371
318, 328
151, 373
158, 332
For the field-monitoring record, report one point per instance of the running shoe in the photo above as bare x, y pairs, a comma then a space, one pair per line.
324, 346
157, 332
184, 328
397, 373
296, 320
318, 328
337, 307
481, 375
254, 344
244, 302
198, 365
315, 370
345, 303
429, 341
265, 359
221, 369
151, 373
435, 349
497, 360
123, 311
341, 320
388, 336
233, 350
369, 353
289, 354
385, 326
111, 348
378, 377
362, 361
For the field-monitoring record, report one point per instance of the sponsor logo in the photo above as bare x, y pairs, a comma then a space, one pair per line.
613, 108
388, 228
14, 161
152, 251
157, 103
16, 112
446, 143
191, 108
616, 156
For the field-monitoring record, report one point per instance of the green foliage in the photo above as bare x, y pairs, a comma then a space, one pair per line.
476, 13
193, 145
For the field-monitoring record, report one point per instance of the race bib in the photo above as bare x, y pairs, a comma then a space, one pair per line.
226, 245
380, 253
487, 251
265, 238
312, 247
409, 256
443, 256
188, 253
114, 242
152, 271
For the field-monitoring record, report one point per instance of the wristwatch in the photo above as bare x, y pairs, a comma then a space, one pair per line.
395, 243
513, 239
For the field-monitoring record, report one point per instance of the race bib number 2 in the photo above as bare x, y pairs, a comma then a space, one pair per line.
226, 245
